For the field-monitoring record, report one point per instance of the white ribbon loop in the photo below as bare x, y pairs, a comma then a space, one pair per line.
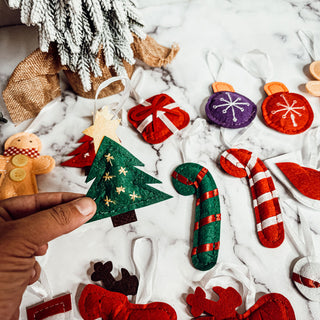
311, 42
214, 63
161, 115
259, 64
145, 259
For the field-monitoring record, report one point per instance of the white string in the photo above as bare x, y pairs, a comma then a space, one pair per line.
214, 63
259, 64
41, 288
238, 273
311, 43
145, 258
124, 97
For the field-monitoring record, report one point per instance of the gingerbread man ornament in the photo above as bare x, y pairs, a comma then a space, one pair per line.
20, 163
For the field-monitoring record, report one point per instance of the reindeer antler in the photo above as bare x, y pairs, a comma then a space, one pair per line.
229, 300
128, 285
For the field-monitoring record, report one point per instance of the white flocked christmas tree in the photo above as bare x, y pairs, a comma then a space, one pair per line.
80, 28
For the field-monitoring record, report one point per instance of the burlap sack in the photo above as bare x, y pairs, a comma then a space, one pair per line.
35, 81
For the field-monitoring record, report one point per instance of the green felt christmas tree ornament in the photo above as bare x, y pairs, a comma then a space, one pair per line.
191, 178
119, 186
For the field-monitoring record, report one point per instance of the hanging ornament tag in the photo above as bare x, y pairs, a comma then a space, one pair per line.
191, 178
286, 112
242, 163
225, 107
306, 271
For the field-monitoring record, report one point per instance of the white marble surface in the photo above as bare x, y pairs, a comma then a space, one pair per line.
231, 28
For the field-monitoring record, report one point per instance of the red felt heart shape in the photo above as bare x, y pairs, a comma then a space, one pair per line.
155, 129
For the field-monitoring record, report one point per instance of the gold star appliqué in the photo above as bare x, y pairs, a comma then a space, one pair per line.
134, 196
107, 176
109, 157
120, 189
123, 170
107, 201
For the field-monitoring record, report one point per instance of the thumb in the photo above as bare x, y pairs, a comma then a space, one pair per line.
44, 226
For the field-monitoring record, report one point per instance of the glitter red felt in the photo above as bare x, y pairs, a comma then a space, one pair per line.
284, 111
241, 163
158, 120
96, 302
272, 306
306, 180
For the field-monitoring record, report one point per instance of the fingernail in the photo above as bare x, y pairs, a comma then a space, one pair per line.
86, 206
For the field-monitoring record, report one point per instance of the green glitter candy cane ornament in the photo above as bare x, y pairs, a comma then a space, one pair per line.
192, 178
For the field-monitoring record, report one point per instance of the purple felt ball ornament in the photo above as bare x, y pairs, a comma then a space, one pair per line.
229, 109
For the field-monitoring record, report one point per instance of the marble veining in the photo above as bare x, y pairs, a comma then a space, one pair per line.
230, 28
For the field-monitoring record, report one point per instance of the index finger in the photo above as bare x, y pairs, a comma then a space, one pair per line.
23, 206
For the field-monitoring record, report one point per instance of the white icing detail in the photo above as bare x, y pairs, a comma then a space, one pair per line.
289, 109
231, 104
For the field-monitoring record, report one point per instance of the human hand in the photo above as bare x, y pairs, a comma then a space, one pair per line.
27, 224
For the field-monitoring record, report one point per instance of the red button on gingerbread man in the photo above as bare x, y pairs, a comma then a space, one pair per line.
20, 164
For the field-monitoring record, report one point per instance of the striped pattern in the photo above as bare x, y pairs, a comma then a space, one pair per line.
206, 240
305, 281
241, 163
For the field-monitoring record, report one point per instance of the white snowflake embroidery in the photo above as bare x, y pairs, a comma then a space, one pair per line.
231, 104
86, 155
290, 109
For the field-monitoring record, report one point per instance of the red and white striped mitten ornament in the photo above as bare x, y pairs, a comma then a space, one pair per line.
158, 118
241, 163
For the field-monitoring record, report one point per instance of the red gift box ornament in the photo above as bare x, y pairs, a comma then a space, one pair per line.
158, 118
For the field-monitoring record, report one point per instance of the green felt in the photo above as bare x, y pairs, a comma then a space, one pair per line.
134, 181
209, 233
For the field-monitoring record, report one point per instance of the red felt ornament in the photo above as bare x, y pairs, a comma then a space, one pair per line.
241, 163
83, 155
272, 306
284, 111
158, 118
96, 302
51, 308
306, 180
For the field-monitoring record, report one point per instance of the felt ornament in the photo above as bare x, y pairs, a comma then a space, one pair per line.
311, 43
89, 40
272, 306
306, 270
284, 111
229, 109
59, 308
119, 186
191, 178
242, 163
158, 118
306, 180
83, 156
103, 125
128, 285
225, 107
2, 119
96, 302
20, 164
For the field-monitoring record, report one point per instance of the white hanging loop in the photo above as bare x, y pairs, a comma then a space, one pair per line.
311, 43
125, 94
214, 62
145, 258
237, 273
41, 288
259, 64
